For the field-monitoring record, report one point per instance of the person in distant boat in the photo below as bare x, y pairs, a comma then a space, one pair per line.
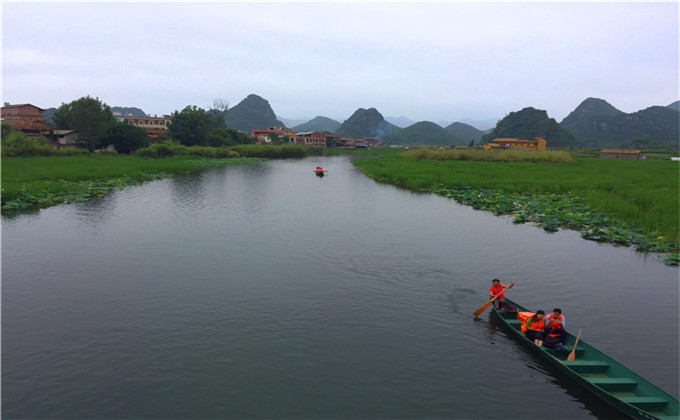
496, 288
554, 326
533, 327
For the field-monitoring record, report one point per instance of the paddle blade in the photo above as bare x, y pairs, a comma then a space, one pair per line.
572, 355
482, 308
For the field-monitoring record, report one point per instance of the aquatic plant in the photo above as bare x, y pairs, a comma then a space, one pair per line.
632, 203
554, 211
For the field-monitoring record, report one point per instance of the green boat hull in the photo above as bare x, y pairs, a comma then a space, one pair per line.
608, 379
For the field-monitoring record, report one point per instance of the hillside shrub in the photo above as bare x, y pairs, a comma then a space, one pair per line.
211, 152
161, 150
18, 144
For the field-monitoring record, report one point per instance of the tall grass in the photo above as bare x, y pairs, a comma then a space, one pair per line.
644, 193
480, 155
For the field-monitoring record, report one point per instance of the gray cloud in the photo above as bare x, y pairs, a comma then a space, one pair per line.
428, 61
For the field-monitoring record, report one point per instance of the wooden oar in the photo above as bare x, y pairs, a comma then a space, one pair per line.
572, 355
486, 305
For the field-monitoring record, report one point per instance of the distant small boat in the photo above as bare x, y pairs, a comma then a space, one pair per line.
319, 172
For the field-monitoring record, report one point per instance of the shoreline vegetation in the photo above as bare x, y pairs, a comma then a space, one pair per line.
34, 182
624, 202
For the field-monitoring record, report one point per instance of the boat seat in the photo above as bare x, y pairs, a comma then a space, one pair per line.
646, 403
579, 351
587, 366
514, 323
614, 384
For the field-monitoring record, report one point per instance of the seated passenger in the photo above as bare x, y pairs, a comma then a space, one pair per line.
533, 328
554, 327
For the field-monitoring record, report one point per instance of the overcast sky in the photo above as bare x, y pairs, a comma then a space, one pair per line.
426, 61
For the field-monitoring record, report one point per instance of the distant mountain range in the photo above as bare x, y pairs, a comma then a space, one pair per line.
596, 123
485, 125
401, 122
128, 111
318, 123
290, 122
366, 123
135, 112
529, 123
252, 112
465, 132
424, 133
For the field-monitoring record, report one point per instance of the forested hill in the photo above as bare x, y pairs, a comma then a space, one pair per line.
465, 132
366, 123
529, 123
318, 123
598, 124
252, 112
49, 115
128, 111
423, 133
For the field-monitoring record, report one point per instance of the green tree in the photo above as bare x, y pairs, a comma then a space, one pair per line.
274, 138
643, 142
191, 126
6, 129
239, 137
219, 137
89, 116
125, 137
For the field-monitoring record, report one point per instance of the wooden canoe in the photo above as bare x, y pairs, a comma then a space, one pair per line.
608, 379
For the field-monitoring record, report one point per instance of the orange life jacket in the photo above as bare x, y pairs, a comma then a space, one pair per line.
522, 317
554, 325
535, 324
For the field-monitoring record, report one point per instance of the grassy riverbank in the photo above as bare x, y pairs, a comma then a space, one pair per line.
630, 202
43, 181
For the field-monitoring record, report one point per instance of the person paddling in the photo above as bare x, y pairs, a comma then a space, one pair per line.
495, 289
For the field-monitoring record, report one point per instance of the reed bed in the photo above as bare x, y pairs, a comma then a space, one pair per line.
480, 155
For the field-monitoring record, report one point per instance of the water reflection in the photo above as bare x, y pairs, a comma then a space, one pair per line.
489, 327
460, 295
188, 193
97, 211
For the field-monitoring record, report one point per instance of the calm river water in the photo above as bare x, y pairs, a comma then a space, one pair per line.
262, 291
